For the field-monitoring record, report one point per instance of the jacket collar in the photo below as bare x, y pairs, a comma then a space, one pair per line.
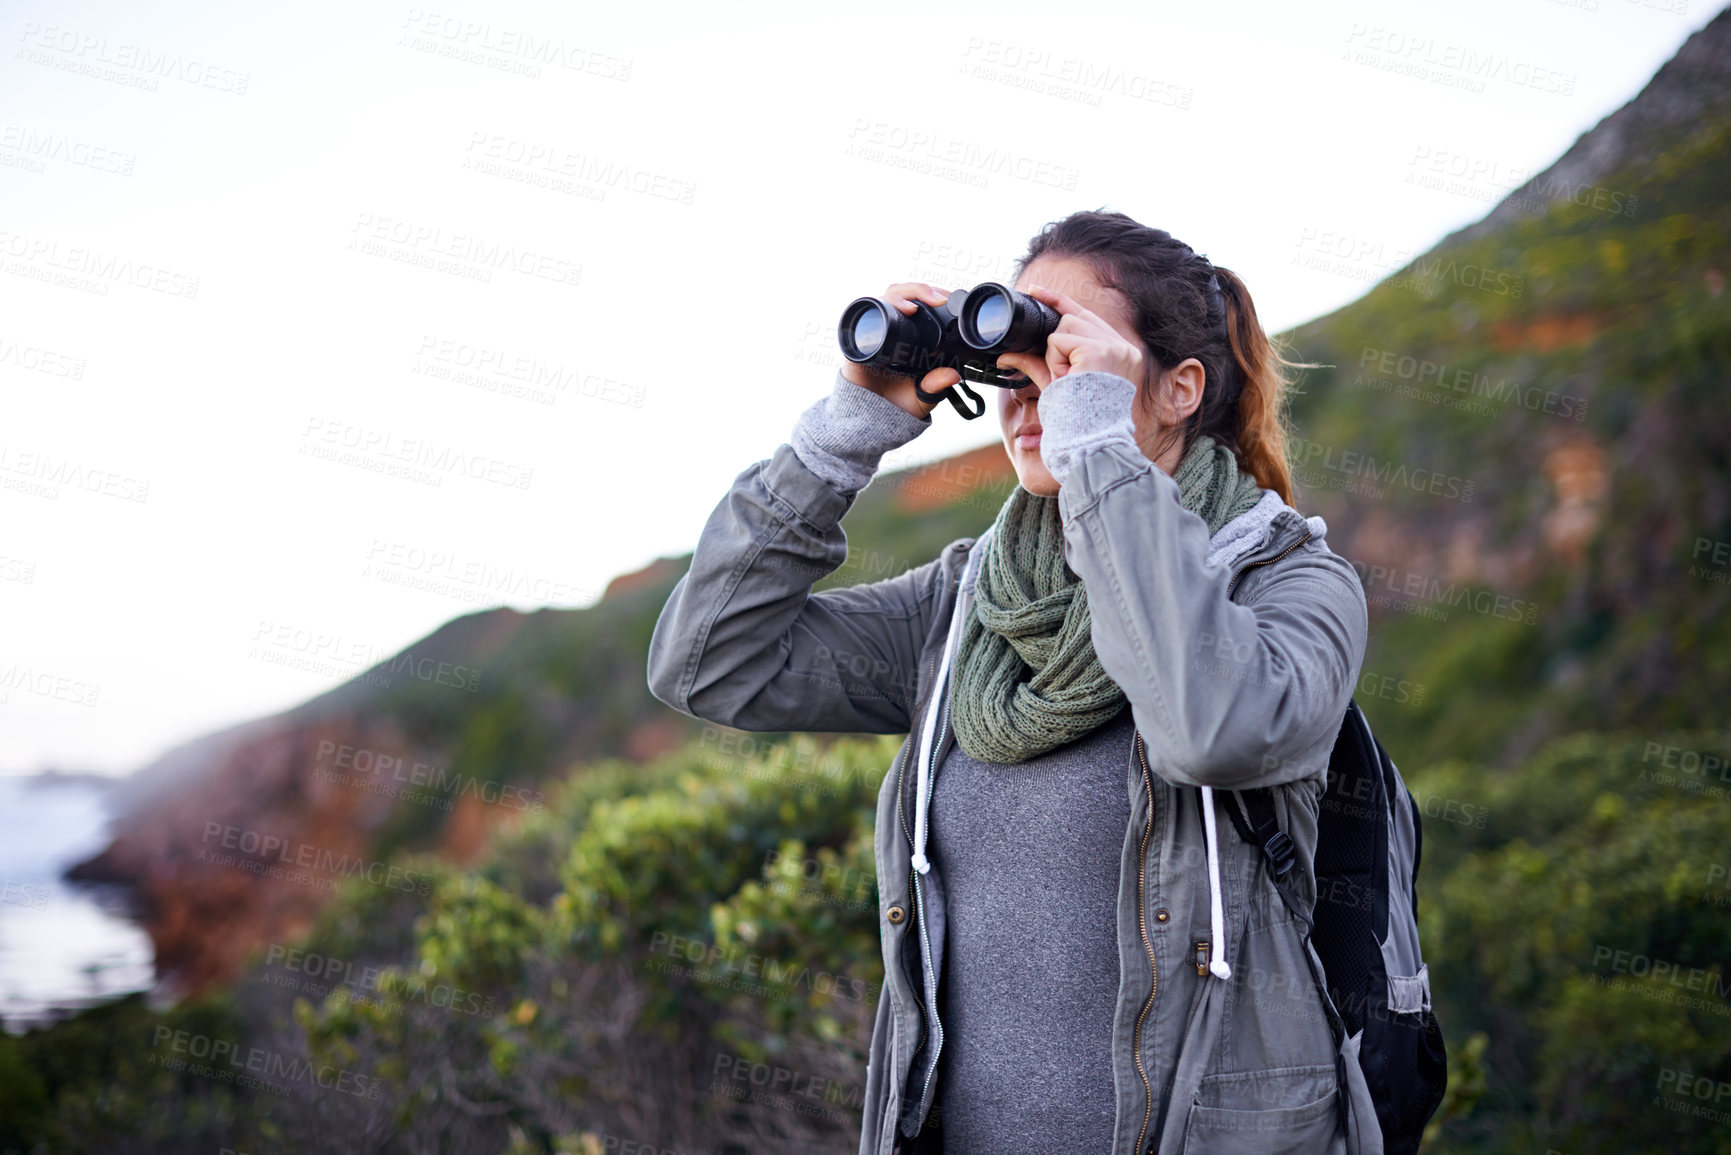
1262, 532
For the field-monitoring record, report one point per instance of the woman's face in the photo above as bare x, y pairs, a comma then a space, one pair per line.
1018, 409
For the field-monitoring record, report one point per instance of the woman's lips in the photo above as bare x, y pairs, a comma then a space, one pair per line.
1028, 440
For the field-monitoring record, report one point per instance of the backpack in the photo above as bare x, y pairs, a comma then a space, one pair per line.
1365, 928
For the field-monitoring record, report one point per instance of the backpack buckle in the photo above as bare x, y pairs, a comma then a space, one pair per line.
1280, 853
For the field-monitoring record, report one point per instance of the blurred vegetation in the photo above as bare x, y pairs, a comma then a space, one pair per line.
624, 966
667, 939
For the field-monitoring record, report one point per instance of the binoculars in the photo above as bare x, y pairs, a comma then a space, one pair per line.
965, 333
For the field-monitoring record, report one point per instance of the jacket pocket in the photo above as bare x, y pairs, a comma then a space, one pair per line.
1284, 1111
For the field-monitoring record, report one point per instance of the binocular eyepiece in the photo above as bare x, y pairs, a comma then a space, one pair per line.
965, 333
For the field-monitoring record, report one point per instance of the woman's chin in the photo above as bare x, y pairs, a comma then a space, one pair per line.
1034, 476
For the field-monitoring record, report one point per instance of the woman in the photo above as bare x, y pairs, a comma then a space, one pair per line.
1080, 953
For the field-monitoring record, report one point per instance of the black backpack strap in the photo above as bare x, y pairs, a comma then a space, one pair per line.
1252, 812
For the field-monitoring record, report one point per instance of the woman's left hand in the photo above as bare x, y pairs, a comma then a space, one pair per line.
1082, 342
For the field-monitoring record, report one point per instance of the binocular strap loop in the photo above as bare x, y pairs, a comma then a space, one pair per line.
950, 395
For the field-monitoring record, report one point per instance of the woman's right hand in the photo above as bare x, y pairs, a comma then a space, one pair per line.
895, 387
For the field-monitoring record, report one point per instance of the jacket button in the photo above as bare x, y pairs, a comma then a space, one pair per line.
895, 914
1162, 915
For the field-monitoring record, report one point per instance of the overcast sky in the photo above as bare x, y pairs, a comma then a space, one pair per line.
308, 308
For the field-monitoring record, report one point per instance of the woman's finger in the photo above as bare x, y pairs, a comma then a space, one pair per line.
904, 294
1030, 365
1066, 306
1060, 351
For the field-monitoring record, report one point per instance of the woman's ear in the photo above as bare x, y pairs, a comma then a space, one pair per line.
1183, 392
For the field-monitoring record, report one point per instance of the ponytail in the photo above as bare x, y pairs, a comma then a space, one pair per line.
1262, 422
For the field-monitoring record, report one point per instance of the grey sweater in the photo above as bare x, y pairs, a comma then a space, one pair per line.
1030, 854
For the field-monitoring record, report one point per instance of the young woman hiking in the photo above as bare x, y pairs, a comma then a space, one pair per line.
1081, 954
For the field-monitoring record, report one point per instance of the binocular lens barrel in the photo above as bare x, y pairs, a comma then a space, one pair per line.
992, 319
864, 329
967, 333
996, 319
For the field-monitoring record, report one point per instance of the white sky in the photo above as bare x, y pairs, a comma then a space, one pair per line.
166, 546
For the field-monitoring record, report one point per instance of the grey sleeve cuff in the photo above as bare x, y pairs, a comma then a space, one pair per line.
843, 437
1079, 413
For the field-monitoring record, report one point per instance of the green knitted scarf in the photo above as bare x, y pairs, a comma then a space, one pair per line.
1027, 677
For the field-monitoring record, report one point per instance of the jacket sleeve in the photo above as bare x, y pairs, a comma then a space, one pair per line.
742, 640
1236, 696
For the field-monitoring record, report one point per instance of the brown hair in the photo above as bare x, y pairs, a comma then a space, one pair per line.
1180, 312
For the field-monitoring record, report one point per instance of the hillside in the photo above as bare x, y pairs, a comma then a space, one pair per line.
1520, 439
1566, 375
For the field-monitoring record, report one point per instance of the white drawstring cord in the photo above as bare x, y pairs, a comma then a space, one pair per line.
1217, 966
919, 861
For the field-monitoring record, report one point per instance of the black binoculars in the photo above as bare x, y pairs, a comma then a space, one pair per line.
965, 333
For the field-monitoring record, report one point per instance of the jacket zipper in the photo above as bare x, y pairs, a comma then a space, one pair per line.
919, 892
1153, 967
914, 893
913, 897
1141, 890
1269, 561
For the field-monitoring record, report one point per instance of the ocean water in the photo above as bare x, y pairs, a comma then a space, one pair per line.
61, 946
